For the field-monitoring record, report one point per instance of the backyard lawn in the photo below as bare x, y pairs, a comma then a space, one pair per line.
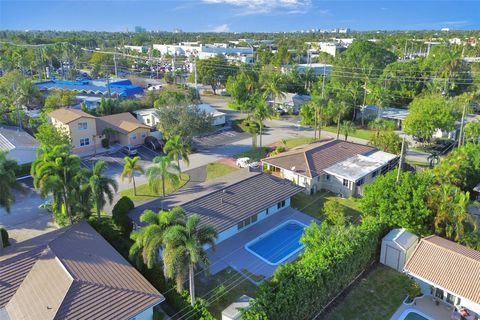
359, 133
144, 193
377, 296
254, 153
313, 204
218, 169
224, 288
295, 142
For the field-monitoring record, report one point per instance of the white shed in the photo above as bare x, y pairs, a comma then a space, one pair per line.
233, 311
397, 247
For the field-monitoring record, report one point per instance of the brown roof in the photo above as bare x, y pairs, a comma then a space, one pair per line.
67, 115
311, 159
91, 280
122, 122
448, 265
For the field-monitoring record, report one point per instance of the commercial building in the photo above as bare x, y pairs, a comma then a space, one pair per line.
120, 88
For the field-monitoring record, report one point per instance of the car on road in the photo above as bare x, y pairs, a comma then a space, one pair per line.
153, 143
130, 150
246, 162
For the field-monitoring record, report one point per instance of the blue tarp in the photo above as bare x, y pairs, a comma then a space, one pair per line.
123, 88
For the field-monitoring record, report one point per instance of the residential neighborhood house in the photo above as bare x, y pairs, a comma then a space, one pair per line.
20, 145
72, 273
334, 165
127, 130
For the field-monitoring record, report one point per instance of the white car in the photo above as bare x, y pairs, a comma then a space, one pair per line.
247, 162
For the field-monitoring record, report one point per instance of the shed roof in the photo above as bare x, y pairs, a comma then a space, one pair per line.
91, 280
402, 238
67, 115
447, 264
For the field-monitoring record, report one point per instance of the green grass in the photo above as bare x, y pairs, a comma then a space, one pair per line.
255, 277
218, 169
144, 193
375, 297
295, 142
235, 286
360, 133
313, 204
254, 153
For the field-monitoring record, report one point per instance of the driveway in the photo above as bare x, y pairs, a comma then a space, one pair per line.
25, 219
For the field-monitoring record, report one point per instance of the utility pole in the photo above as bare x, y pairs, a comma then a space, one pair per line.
19, 118
108, 86
115, 64
400, 162
195, 72
460, 135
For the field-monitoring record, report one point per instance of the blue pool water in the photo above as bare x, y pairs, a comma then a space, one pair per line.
278, 244
414, 316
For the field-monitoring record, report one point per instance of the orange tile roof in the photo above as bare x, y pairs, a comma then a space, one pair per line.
67, 115
123, 122
448, 265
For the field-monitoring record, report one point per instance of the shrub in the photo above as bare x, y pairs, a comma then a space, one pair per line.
414, 289
120, 214
106, 143
4, 237
277, 150
23, 170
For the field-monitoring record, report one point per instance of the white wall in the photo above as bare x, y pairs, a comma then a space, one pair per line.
145, 315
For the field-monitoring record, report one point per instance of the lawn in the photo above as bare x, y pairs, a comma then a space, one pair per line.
377, 296
144, 193
295, 142
359, 133
224, 288
254, 153
218, 169
313, 204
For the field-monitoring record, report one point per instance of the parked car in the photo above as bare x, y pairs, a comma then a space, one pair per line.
247, 162
130, 150
153, 143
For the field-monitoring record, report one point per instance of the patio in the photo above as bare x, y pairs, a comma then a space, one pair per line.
232, 252
427, 306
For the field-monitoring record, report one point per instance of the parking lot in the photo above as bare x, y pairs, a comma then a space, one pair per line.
219, 138
115, 160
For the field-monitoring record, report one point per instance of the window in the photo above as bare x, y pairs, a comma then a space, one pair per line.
360, 182
439, 293
385, 169
328, 177
144, 135
82, 126
345, 182
148, 120
247, 222
133, 136
266, 212
84, 142
281, 204
450, 298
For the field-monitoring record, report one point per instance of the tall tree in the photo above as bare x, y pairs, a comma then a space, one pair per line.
184, 250
129, 169
261, 112
176, 148
162, 170
8, 181
101, 186
348, 127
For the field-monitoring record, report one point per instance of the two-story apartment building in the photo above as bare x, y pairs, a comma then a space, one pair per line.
127, 130
80, 126
338, 166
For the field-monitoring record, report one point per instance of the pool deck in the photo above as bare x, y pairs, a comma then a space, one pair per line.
232, 252
427, 306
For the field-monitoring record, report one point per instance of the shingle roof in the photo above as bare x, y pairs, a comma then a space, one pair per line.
67, 115
310, 160
230, 199
447, 264
78, 275
123, 122
13, 137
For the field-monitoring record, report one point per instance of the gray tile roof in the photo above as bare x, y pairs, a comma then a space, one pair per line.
310, 160
13, 137
230, 199
77, 275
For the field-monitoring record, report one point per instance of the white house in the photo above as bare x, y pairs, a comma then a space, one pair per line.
147, 116
20, 146
234, 310
218, 117
447, 271
397, 247
338, 166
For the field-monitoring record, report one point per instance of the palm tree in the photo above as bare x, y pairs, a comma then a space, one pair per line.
58, 172
184, 251
163, 171
272, 86
347, 128
8, 181
101, 186
129, 170
433, 158
175, 149
260, 113
148, 241
27, 92
340, 111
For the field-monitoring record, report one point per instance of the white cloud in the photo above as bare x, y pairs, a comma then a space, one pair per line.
221, 28
249, 7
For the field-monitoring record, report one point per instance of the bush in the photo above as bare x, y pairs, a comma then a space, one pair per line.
4, 237
120, 215
22, 170
106, 143
414, 290
277, 150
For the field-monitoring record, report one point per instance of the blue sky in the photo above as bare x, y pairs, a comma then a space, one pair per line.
237, 15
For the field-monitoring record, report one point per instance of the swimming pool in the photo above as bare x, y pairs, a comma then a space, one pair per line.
278, 244
411, 314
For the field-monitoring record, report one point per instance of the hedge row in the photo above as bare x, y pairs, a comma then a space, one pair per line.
333, 257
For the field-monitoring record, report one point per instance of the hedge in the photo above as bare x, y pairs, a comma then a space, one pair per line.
23, 170
4, 237
333, 257
120, 215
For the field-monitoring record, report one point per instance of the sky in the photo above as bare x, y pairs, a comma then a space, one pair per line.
238, 15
